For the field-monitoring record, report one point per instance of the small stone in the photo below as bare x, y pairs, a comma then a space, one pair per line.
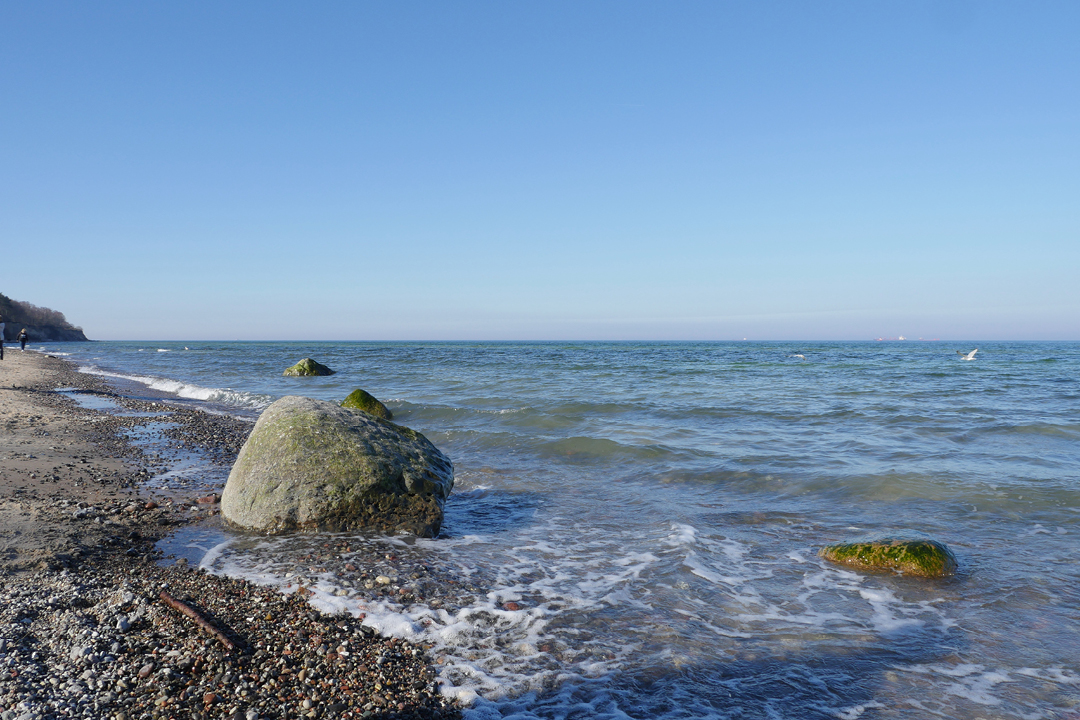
383, 580
308, 367
910, 556
365, 402
511, 606
146, 669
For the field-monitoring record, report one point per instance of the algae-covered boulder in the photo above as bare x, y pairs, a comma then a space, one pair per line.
313, 465
307, 367
910, 556
361, 400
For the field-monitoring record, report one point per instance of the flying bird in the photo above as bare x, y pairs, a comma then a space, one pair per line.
969, 356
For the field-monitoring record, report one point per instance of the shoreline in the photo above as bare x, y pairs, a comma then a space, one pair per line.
84, 631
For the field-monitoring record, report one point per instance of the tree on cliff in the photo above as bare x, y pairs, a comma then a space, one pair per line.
42, 323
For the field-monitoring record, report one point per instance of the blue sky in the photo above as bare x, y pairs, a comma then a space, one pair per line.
558, 170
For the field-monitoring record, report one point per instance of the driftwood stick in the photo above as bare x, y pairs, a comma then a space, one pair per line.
198, 619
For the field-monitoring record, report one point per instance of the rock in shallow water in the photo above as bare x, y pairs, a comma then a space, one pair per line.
312, 465
361, 400
308, 367
920, 557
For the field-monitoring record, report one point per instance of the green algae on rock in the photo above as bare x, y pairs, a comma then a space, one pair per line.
308, 367
311, 465
360, 400
919, 557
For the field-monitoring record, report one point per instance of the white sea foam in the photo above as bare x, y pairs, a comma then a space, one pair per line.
1051, 674
221, 396
967, 680
547, 580
682, 535
856, 711
488, 652
212, 554
888, 611
727, 564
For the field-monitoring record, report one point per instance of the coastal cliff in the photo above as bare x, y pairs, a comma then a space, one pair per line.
42, 324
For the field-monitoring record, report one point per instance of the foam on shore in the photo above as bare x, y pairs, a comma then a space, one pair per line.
219, 396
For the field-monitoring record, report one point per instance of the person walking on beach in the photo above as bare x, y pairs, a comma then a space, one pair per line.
23, 339
1, 337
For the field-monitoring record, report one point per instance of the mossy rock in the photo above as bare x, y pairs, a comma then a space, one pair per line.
308, 367
366, 402
919, 557
311, 465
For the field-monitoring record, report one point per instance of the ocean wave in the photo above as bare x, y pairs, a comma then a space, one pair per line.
221, 396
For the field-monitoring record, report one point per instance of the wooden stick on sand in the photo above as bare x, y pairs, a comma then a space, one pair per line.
199, 620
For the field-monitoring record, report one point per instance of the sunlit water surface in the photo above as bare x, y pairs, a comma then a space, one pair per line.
634, 526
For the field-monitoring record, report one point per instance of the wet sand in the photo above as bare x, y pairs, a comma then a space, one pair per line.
84, 629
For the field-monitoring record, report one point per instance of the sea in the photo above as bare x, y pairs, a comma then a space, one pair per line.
635, 526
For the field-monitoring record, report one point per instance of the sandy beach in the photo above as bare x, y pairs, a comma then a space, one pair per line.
85, 630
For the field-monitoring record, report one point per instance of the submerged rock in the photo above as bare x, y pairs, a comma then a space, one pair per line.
307, 367
360, 400
910, 556
313, 465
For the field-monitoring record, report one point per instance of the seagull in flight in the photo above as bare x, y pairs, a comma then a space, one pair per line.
969, 356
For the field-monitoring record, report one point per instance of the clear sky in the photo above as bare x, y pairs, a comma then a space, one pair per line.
546, 170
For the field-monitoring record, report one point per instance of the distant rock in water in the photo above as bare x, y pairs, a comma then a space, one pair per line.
921, 557
41, 323
307, 367
360, 400
312, 465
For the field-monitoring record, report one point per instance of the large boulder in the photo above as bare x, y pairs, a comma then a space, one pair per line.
307, 367
910, 556
313, 465
361, 400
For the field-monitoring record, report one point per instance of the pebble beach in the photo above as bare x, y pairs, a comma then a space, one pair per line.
86, 626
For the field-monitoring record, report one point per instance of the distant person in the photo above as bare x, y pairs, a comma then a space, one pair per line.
1, 337
23, 339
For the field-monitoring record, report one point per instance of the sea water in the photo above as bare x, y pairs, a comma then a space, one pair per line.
634, 526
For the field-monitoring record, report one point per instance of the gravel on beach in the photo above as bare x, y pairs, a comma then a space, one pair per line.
85, 632
102, 644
